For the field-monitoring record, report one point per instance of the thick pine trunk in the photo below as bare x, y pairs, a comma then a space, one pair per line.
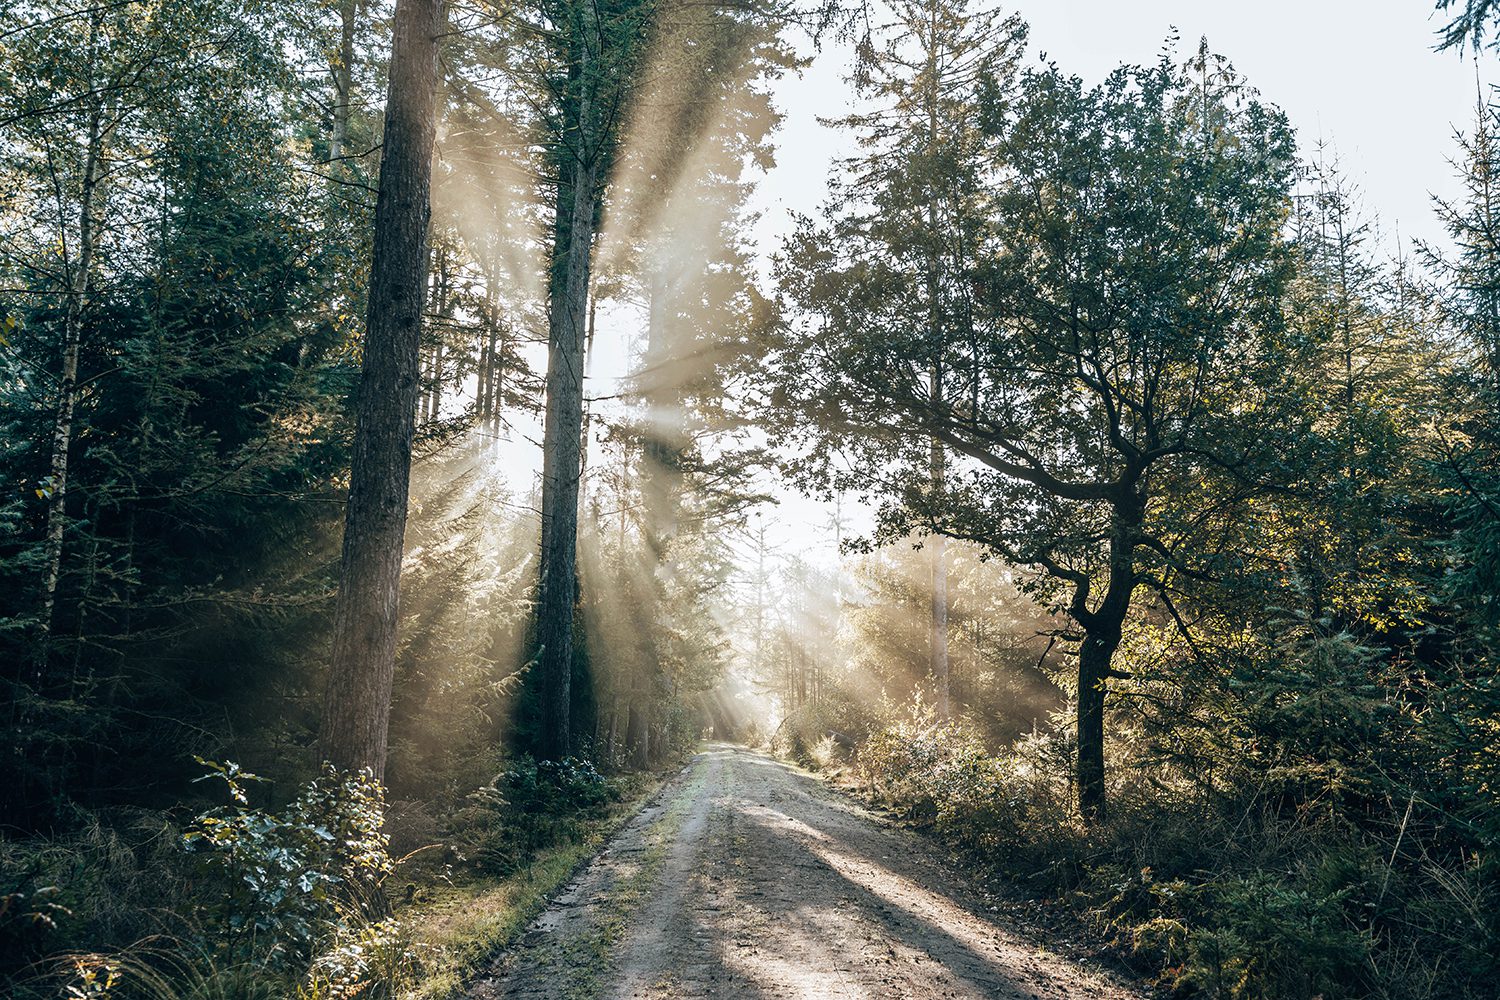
562, 463
357, 705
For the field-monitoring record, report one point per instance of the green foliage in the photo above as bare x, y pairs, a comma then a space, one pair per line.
288, 877
569, 785
243, 903
944, 776
1290, 869
821, 733
209, 407
109, 880
529, 806
1114, 336
1001, 671
1471, 21
362, 959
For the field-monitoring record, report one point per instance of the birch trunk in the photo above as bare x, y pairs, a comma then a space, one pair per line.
67, 390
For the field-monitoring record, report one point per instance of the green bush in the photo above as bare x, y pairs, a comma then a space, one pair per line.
289, 878
245, 903
1255, 892
102, 885
1263, 936
944, 775
821, 734
529, 806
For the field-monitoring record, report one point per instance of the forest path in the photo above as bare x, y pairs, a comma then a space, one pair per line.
746, 878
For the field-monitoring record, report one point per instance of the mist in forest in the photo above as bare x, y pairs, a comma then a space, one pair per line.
455, 454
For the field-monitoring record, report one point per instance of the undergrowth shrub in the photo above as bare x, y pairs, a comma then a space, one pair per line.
250, 904
101, 885
1284, 885
822, 734
943, 774
529, 806
753, 734
289, 879
682, 729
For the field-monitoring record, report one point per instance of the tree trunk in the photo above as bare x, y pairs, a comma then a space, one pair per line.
442, 313
496, 387
67, 391
357, 707
661, 459
424, 397
662, 449
343, 82
436, 406
638, 731
1093, 676
938, 644
611, 748
430, 392
938, 641
562, 465
486, 353
1102, 633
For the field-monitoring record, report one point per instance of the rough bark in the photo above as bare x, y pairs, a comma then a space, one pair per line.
1093, 666
1103, 628
562, 466
357, 705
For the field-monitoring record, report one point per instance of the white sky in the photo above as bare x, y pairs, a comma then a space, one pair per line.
1361, 75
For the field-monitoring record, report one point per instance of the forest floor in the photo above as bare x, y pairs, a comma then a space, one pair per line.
746, 878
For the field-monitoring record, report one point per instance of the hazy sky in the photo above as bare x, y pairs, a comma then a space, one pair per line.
1360, 75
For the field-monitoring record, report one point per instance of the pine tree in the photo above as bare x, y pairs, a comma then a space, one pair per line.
922, 159
356, 714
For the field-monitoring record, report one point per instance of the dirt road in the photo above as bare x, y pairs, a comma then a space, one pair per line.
745, 878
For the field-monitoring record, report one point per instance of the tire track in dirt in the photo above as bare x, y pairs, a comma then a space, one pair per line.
745, 878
